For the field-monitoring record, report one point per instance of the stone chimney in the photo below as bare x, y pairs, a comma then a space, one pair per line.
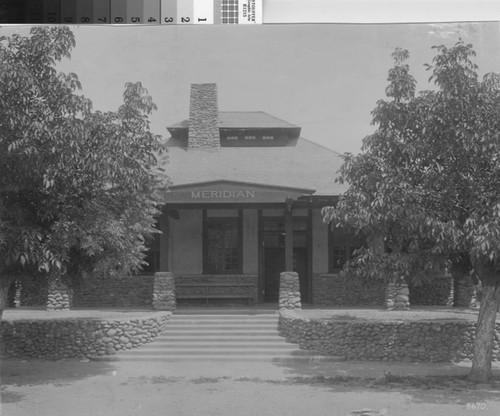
203, 118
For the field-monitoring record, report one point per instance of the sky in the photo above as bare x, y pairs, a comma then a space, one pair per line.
325, 78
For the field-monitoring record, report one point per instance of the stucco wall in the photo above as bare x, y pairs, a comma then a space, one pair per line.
320, 243
186, 242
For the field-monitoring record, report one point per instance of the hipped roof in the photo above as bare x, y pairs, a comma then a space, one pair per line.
243, 120
303, 165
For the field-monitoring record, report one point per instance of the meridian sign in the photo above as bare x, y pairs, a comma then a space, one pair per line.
223, 194
230, 192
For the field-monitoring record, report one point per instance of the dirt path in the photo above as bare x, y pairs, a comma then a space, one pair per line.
73, 388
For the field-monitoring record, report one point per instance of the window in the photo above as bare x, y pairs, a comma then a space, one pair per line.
222, 245
250, 137
342, 246
232, 138
267, 137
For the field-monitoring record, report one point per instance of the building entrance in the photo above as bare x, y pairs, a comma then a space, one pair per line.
273, 235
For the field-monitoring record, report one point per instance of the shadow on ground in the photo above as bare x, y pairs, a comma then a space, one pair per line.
440, 383
20, 373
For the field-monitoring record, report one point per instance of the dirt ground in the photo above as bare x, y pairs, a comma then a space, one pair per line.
334, 388
74, 388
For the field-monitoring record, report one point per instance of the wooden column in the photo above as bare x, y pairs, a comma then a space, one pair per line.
260, 238
310, 249
288, 237
164, 263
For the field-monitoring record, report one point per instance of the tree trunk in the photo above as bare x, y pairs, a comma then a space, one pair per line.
5, 282
485, 327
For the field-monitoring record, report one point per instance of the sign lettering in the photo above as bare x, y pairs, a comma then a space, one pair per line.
223, 194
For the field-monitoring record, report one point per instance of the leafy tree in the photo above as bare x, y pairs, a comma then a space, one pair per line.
78, 187
426, 186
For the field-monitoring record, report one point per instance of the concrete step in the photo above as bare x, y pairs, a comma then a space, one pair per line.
223, 336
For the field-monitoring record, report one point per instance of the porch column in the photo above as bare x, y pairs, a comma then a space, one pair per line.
288, 236
164, 242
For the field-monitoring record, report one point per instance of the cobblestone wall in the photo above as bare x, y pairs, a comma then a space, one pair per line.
438, 292
127, 291
433, 341
334, 290
59, 338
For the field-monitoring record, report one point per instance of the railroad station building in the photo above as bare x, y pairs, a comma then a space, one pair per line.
245, 203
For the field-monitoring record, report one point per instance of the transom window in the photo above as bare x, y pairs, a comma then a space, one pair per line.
250, 137
267, 137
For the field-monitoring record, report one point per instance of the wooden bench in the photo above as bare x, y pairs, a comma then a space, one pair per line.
210, 291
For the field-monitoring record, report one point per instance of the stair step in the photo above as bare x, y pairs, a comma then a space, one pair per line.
211, 358
198, 333
225, 345
225, 340
219, 336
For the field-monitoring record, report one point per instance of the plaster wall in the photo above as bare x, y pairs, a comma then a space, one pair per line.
186, 243
320, 243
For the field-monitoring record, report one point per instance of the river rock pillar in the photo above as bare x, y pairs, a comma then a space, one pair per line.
164, 291
289, 297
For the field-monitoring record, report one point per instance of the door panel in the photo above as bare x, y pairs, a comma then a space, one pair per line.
274, 264
301, 267
273, 242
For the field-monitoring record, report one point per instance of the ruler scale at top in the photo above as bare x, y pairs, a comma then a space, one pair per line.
168, 10
138, 12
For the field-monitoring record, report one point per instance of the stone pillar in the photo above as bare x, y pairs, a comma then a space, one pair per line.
60, 295
397, 296
289, 291
164, 291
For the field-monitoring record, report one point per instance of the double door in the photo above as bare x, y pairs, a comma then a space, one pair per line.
273, 256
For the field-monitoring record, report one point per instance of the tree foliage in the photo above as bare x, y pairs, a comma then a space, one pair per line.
426, 185
78, 187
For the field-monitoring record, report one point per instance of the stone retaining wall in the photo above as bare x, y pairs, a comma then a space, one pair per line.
71, 338
437, 292
430, 341
125, 291
334, 290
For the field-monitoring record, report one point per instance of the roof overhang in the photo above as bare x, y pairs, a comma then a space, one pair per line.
224, 191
